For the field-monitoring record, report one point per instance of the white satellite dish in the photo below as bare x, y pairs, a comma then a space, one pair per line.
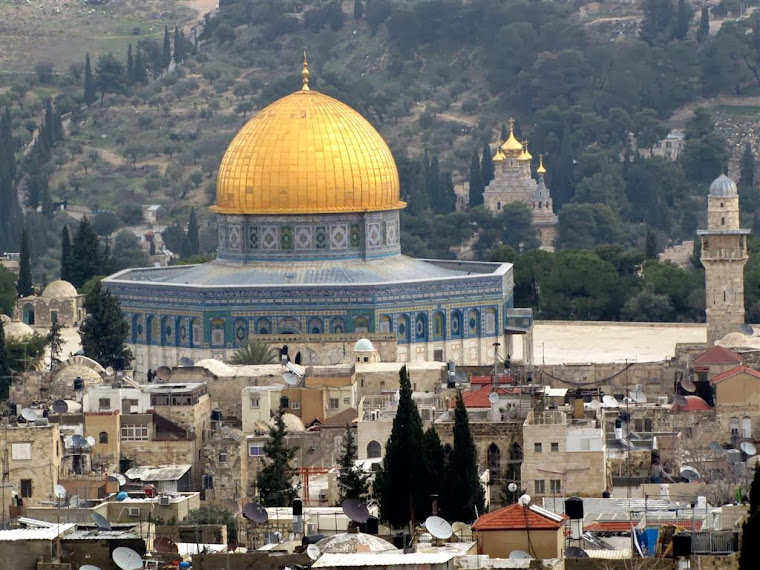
438, 527
519, 555
594, 404
748, 448
690, 474
493, 397
313, 551
524, 500
638, 396
609, 402
512, 487
29, 415
90, 440
126, 558
109, 371
60, 492
290, 379
74, 501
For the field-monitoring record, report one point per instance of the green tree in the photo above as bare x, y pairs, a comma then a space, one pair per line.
65, 254
24, 286
127, 252
255, 352
55, 341
476, 180
85, 254
179, 45
5, 368
518, 232
562, 173
215, 514
399, 486
109, 76
11, 215
684, 15
140, 74
90, 92
166, 53
274, 482
465, 497
8, 293
434, 463
130, 66
104, 331
651, 244
358, 10
658, 18
747, 168
193, 233
704, 25
487, 168
648, 306
176, 240
105, 223
352, 481
750, 550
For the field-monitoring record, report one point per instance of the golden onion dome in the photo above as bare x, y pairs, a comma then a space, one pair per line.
307, 153
525, 155
499, 156
540, 169
511, 145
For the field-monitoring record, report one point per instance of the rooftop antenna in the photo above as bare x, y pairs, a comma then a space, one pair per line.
355, 510
126, 558
100, 521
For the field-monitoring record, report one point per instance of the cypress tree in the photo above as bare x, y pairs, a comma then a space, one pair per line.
85, 254
58, 133
747, 168
464, 491
46, 202
448, 195
46, 128
562, 171
651, 244
5, 367
166, 54
65, 254
55, 340
487, 168
433, 187
704, 25
476, 180
90, 95
24, 286
130, 66
141, 72
400, 485
274, 482
434, 462
179, 46
750, 549
683, 19
11, 216
193, 233
358, 10
104, 331
351, 480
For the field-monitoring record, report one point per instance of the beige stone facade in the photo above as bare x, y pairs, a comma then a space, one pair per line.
59, 301
499, 543
34, 454
225, 466
104, 427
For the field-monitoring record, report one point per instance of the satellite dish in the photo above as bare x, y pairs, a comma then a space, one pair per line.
638, 397
78, 440
109, 371
688, 386
100, 521
166, 545
690, 474
716, 448
118, 477
60, 492
313, 552
512, 487
90, 440
438, 527
355, 510
680, 400
748, 448
185, 361
519, 555
255, 512
524, 500
126, 558
60, 407
493, 397
29, 415
609, 402
290, 379
88, 567
575, 552
232, 506
164, 373
753, 461
74, 501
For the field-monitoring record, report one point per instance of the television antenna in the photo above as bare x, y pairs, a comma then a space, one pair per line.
519, 555
688, 386
100, 521
355, 510
609, 402
717, 448
690, 474
575, 552
512, 487
74, 501
493, 397
524, 500
255, 512
29, 415
291, 379
90, 440
438, 527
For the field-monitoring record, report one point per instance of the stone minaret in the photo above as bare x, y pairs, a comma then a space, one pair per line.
724, 254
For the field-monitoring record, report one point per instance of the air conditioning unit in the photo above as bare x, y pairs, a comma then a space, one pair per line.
662, 400
164, 501
133, 511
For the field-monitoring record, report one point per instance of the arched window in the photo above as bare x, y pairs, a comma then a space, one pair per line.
746, 427
494, 461
103, 437
498, 205
217, 332
733, 426
403, 329
723, 221
473, 322
374, 449
439, 327
420, 326
456, 324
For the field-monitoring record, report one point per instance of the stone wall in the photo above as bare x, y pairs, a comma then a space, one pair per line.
224, 458
42, 445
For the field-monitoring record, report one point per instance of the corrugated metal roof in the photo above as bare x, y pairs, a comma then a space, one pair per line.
102, 535
390, 558
160, 473
37, 533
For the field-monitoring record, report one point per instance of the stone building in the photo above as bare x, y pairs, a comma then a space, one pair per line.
737, 402
32, 456
724, 255
225, 465
532, 529
59, 301
513, 182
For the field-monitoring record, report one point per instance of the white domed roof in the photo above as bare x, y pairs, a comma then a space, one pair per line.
59, 289
348, 543
292, 423
364, 345
17, 329
723, 186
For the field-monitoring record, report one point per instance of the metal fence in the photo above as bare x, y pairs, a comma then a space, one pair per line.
714, 542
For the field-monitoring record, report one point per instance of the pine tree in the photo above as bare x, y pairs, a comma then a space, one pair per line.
179, 46
166, 54
400, 486
193, 233
65, 254
140, 74
465, 495
747, 168
130, 66
5, 367
24, 286
476, 181
274, 482
351, 480
704, 25
85, 254
651, 244
90, 95
104, 331
358, 10
55, 341
487, 168
683, 19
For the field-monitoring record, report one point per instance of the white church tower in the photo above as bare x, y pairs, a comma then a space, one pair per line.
724, 254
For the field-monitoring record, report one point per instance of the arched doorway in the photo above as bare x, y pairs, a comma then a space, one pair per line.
374, 449
28, 314
494, 461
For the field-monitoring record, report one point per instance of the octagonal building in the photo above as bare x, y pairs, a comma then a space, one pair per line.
309, 255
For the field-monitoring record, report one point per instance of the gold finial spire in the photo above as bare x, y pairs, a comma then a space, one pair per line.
541, 169
511, 146
525, 155
511, 122
305, 73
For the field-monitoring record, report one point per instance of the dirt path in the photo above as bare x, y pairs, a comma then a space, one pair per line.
201, 7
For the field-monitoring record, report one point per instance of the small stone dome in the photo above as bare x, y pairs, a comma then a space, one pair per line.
723, 186
292, 423
17, 329
59, 289
364, 345
348, 543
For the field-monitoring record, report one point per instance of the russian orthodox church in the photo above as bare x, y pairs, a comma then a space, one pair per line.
513, 182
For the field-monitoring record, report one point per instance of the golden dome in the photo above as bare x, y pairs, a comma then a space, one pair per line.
307, 153
511, 144
525, 155
540, 169
499, 156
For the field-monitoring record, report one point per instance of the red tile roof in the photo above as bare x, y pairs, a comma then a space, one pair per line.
717, 355
516, 517
733, 372
341, 420
478, 398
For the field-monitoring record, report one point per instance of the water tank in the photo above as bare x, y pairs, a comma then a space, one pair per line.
373, 525
297, 507
682, 545
216, 415
574, 508
398, 540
